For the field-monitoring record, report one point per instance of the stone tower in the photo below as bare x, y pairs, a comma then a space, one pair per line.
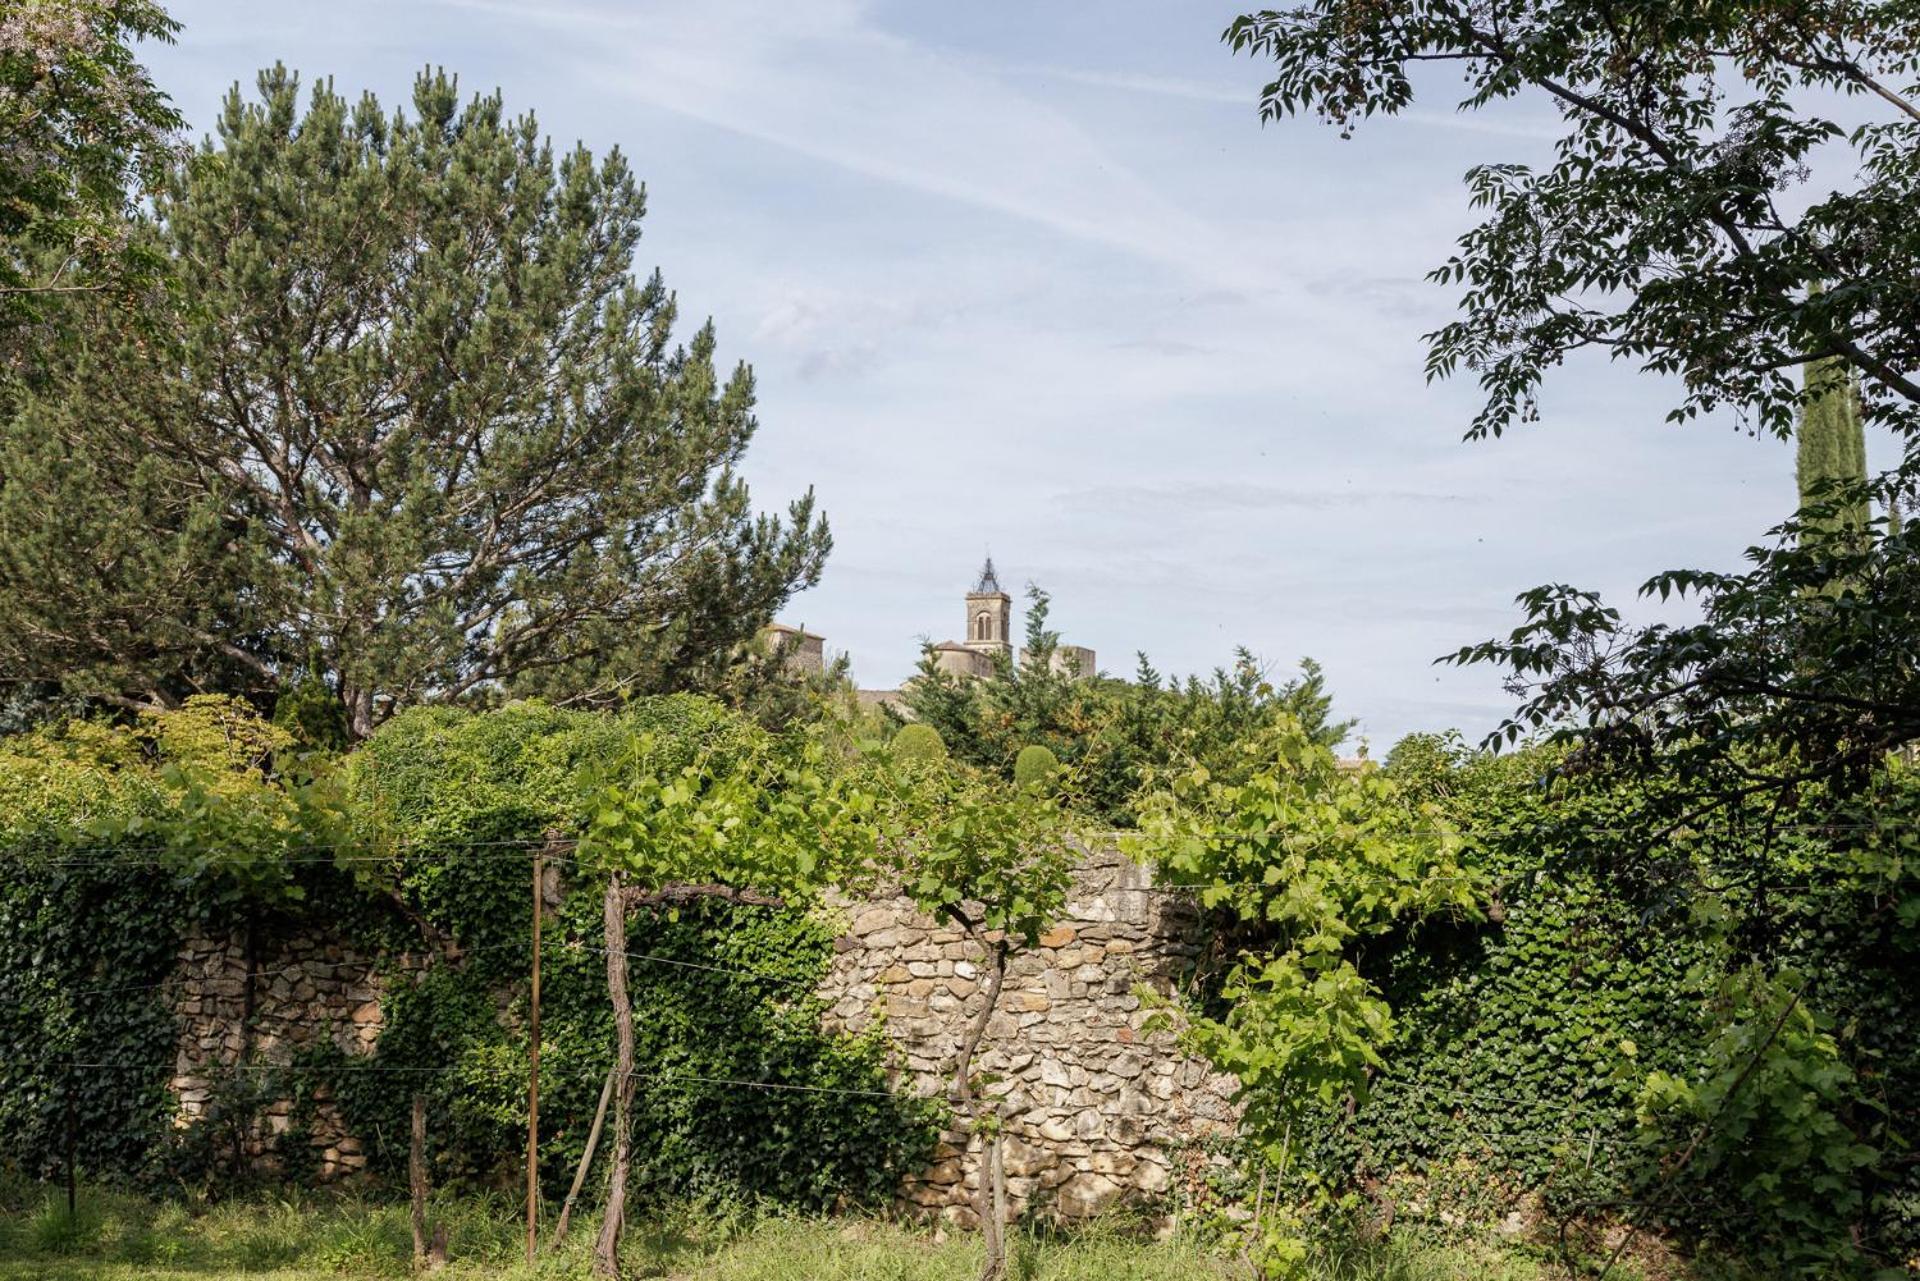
989, 615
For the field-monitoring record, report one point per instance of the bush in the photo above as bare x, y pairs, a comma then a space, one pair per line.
470, 796
919, 743
1035, 766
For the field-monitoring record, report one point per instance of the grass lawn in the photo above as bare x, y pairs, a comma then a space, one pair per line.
117, 1238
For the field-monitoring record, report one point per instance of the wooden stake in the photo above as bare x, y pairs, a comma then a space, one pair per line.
996, 1176
606, 1251
533, 1077
586, 1161
417, 1179
73, 1179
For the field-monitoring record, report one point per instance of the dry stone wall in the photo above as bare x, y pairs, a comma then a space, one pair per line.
1097, 1108
308, 991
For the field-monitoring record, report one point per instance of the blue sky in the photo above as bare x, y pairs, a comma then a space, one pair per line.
1034, 279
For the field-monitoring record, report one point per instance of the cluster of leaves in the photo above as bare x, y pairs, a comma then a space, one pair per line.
82, 133
769, 816
1109, 735
997, 858
1777, 1110
1802, 671
120, 841
740, 1094
669, 792
1304, 860
1659, 233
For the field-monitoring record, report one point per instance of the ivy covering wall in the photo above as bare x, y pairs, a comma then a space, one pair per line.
429, 832
1743, 987
1553, 1051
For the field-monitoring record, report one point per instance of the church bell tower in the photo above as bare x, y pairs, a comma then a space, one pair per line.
989, 615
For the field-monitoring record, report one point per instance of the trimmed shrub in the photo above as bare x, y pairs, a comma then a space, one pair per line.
919, 743
1035, 766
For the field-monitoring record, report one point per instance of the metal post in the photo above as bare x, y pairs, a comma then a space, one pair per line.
73, 1196
533, 1078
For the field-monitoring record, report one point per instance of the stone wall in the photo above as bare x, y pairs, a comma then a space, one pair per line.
1095, 1106
308, 991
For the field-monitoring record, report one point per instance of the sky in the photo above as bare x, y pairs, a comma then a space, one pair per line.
1033, 280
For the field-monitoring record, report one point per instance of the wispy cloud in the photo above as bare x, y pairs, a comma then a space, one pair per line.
1199, 499
825, 82
1249, 98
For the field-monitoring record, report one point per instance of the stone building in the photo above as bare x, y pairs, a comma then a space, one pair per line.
989, 625
988, 640
801, 650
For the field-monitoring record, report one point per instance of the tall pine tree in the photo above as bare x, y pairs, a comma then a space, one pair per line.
413, 420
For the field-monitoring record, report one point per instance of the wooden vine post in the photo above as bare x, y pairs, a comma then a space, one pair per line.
73, 1132
586, 1158
754, 814
417, 1180
606, 1250
429, 1247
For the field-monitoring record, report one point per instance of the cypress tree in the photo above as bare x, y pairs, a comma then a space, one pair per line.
1831, 448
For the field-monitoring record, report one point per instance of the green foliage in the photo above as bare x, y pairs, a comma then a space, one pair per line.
1601, 1022
672, 791
769, 816
1308, 859
1110, 736
1035, 766
919, 743
968, 848
82, 129
1647, 236
90, 925
1776, 1105
122, 841
545, 502
715, 1115
1803, 671
313, 714
1718, 762
72, 939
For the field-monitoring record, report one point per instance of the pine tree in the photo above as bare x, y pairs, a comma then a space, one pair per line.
413, 414
1831, 448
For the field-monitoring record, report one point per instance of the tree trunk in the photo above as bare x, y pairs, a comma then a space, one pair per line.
993, 1189
990, 1198
359, 712
606, 1252
586, 1159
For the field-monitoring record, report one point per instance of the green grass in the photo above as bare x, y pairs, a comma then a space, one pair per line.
121, 1238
